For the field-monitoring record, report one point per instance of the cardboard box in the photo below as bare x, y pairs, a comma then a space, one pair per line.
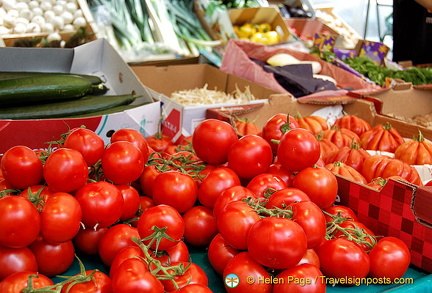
400, 209
91, 30
180, 120
96, 58
400, 104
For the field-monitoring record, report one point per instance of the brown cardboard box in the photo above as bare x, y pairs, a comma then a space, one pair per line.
180, 120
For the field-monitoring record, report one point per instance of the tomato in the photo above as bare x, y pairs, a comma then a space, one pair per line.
60, 217
21, 167
145, 203
194, 288
133, 136
310, 217
298, 149
14, 260
264, 184
131, 201
193, 274
87, 240
200, 226
314, 123
230, 194
220, 253
123, 254
177, 253
279, 171
133, 276
122, 162
159, 142
381, 138
114, 239
250, 156
37, 194
246, 127
340, 211
234, 223
415, 151
175, 189
357, 232
428, 183
299, 279
319, 184
101, 203
242, 274
352, 155
65, 170
19, 222
162, 216
354, 123
212, 139
100, 283
275, 126
310, 257
284, 197
214, 183
6, 188
19, 281
343, 259
87, 142
346, 171
53, 259
147, 178
390, 258
276, 243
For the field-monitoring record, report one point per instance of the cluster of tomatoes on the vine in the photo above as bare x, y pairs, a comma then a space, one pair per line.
259, 203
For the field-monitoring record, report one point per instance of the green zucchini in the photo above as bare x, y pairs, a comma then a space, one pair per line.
16, 74
87, 104
112, 110
42, 89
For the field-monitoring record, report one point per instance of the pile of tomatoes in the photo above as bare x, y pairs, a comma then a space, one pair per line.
263, 206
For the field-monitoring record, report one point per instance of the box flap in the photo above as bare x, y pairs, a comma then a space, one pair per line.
422, 205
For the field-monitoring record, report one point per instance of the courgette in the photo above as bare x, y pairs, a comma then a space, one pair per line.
16, 74
112, 110
42, 89
87, 104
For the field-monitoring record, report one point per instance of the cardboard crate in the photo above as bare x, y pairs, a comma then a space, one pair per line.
400, 209
180, 120
399, 105
96, 58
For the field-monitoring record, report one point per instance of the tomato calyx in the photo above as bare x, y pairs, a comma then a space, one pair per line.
35, 198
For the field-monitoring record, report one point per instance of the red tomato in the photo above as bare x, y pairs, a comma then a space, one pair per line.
356, 232
101, 203
123, 254
193, 288
175, 189
310, 257
114, 239
133, 276
250, 156
220, 253
200, 226
14, 260
145, 203
131, 201
277, 170
19, 281
276, 243
234, 223
299, 279
159, 142
264, 184
122, 162
161, 216
6, 188
100, 283
230, 194
53, 259
274, 128
339, 211
21, 167
429, 183
343, 259
133, 136
87, 142
353, 123
60, 218
177, 253
37, 194
65, 170
284, 197
214, 183
87, 240
19, 222
212, 139
241, 270
319, 184
310, 217
147, 178
298, 149
390, 258
193, 274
